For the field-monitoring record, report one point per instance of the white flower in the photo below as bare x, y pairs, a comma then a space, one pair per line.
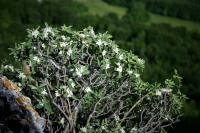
84, 129
102, 127
22, 76
121, 57
116, 117
107, 66
34, 48
79, 71
55, 46
166, 90
19, 84
63, 38
35, 33
137, 75
57, 94
43, 46
73, 84
130, 72
133, 130
44, 92
62, 121
92, 32
69, 52
105, 43
119, 69
9, 67
104, 52
69, 92
46, 32
140, 61
82, 35
116, 50
63, 87
99, 42
87, 89
122, 130
35, 58
41, 104
63, 44
158, 93
61, 52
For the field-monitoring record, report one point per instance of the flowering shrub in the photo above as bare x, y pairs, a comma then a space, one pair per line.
82, 82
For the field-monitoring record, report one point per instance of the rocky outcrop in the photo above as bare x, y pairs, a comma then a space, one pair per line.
16, 112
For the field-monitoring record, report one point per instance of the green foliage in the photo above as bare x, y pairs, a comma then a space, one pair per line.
162, 46
98, 82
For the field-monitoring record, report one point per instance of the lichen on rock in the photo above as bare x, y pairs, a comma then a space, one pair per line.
17, 113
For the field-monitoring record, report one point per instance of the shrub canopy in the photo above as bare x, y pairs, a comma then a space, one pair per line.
82, 82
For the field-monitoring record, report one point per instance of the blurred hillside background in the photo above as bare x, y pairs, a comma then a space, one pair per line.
166, 33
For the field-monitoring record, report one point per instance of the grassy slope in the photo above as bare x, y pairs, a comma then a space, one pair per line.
98, 7
154, 18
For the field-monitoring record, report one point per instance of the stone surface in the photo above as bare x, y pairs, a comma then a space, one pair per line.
16, 112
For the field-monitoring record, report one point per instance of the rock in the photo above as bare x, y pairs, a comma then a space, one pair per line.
16, 112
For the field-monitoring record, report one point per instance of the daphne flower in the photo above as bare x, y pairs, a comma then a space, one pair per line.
105, 43
46, 32
62, 121
119, 69
84, 129
140, 61
61, 52
122, 130
92, 32
79, 71
134, 129
116, 50
116, 117
99, 42
19, 84
104, 52
43, 45
69, 52
73, 84
158, 93
35, 58
137, 75
35, 33
63, 38
121, 57
57, 94
63, 44
55, 46
22, 76
166, 90
9, 67
130, 72
107, 66
87, 89
69, 92
82, 35
44, 92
